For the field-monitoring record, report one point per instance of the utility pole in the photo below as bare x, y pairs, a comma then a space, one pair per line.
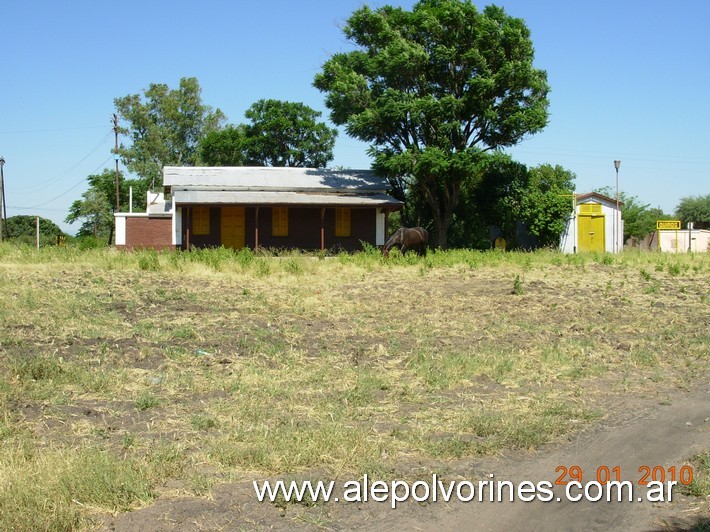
3, 212
115, 131
617, 223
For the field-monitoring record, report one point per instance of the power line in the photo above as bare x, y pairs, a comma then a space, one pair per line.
68, 190
32, 209
581, 154
40, 186
50, 130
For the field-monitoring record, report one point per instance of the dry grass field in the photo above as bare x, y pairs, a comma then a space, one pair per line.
131, 377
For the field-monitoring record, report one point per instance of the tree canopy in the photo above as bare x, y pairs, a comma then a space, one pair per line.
434, 88
287, 134
165, 127
24, 229
509, 194
546, 203
226, 147
95, 208
695, 209
279, 134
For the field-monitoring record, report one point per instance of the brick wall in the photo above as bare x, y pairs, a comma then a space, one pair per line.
146, 232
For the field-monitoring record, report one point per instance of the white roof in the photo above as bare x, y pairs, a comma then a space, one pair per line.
271, 178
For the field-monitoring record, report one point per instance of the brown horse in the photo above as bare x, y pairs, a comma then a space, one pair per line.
407, 238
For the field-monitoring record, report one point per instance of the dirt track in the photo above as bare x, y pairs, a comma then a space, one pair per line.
655, 435
645, 433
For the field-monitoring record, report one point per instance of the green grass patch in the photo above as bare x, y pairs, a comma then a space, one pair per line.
700, 485
56, 489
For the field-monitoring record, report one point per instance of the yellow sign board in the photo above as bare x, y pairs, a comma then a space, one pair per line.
668, 224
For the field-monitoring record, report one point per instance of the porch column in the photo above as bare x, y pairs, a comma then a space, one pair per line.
322, 228
188, 221
256, 229
387, 222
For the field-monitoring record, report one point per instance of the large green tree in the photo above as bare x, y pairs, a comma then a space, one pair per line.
506, 194
695, 209
432, 89
287, 134
279, 134
226, 147
491, 199
165, 127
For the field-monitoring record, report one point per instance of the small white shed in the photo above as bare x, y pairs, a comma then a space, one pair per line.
595, 225
681, 240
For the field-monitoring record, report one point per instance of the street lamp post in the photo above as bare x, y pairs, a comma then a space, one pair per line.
616, 214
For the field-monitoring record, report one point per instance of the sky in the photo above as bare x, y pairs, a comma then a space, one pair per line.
629, 81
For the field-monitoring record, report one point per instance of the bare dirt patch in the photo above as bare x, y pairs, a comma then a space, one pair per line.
646, 433
208, 379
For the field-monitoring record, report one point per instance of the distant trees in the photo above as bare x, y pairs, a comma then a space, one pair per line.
165, 127
24, 229
279, 134
95, 208
695, 209
639, 218
174, 127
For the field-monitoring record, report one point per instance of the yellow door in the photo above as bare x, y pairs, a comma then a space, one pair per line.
233, 227
591, 233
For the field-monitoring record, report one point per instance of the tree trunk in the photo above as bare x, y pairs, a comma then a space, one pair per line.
442, 220
441, 236
442, 208
442, 224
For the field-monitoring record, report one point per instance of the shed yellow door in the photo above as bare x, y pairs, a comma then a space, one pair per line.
233, 227
591, 233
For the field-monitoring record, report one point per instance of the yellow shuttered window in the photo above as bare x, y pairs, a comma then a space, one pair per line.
342, 222
201, 220
279, 221
590, 208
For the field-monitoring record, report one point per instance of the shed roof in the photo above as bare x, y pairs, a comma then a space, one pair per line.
271, 178
581, 198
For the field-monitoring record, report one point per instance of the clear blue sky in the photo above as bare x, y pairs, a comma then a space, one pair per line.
629, 80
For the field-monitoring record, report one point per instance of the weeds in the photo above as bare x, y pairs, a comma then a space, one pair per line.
700, 485
148, 260
202, 422
51, 490
212, 364
145, 401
